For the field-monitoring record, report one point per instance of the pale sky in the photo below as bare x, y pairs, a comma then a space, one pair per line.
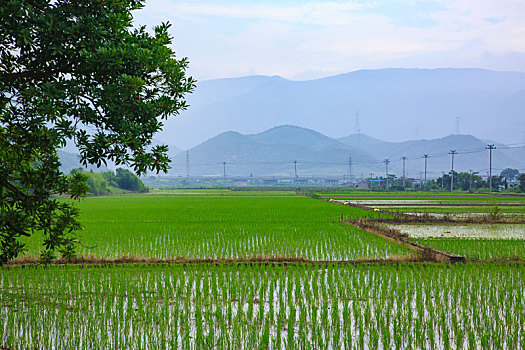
310, 39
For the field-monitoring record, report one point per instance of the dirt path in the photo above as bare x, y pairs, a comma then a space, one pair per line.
402, 205
26, 262
390, 195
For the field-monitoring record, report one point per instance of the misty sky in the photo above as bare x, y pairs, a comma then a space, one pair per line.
309, 39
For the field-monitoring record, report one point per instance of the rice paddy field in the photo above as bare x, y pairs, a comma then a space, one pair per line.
478, 248
218, 225
347, 289
472, 240
269, 307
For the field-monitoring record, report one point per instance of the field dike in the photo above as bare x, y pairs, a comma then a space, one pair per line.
256, 260
424, 253
424, 218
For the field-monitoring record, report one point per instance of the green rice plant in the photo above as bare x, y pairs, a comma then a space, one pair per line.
216, 227
177, 306
478, 248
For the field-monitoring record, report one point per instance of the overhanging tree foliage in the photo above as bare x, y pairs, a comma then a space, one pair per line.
76, 70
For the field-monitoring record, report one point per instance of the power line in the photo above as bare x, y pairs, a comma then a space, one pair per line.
189, 164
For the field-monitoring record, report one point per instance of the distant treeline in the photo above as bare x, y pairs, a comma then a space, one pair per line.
509, 179
109, 182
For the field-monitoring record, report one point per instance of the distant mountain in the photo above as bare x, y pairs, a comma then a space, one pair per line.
274, 151
471, 154
172, 150
70, 159
395, 104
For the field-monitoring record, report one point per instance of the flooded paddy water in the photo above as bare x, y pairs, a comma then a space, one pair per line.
501, 231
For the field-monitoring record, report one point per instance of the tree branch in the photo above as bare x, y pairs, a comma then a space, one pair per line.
13, 76
16, 229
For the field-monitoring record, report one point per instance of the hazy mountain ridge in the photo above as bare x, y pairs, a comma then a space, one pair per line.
471, 153
70, 159
393, 104
273, 152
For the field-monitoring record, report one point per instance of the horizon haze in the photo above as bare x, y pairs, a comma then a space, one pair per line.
389, 104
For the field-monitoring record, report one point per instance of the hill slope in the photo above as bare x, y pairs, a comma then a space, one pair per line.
471, 154
395, 104
274, 151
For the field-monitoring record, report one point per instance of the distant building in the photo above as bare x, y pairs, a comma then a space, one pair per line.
362, 185
301, 182
269, 182
331, 182
376, 183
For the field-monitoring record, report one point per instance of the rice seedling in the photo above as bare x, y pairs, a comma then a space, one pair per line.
478, 248
216, 227
263, 306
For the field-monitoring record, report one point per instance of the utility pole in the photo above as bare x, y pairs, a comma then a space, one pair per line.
350, 168
188, 164
442, 180
470, 180
426, 157
295, 167
404, 159
224, 169
452, 152
490, 148
386, 161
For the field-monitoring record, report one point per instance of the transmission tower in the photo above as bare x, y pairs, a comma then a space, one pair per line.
295, 168
457, 125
